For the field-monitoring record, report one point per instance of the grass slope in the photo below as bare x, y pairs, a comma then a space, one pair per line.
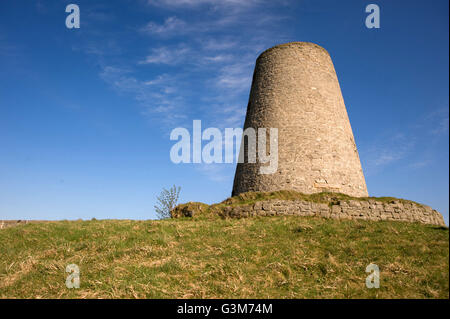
268, 257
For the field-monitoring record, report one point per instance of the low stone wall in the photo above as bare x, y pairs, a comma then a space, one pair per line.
343, 209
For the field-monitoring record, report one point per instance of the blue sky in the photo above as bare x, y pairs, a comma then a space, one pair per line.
86, 114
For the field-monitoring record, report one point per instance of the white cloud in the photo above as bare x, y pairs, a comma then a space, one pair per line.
236, 76
220, 14
435, 122
386, 158
170, 26
158, 97
214, 60
234, 117
414, 146
420, 164
233, 81
386, 151
195, 3
161, 79
219, 58
166, 55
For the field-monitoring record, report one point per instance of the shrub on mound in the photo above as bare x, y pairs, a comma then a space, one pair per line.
191, 209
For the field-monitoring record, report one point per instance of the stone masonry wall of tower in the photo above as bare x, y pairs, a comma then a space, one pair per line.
295, 89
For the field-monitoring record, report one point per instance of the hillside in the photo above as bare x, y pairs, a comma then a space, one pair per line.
261, 257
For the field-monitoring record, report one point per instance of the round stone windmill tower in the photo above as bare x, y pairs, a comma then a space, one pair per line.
295, 89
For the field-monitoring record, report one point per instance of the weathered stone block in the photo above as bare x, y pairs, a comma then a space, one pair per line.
336, 209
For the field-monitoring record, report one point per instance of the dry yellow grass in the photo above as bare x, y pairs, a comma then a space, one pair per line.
268, 257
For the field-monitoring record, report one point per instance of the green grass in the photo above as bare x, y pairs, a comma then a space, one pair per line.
266, 257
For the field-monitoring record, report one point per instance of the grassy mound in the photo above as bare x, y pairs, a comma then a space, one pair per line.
324, 197
196, 209
270, 257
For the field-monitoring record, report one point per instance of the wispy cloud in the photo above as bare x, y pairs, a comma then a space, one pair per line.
386, 150
420, 164
200, 56
223, 62
196, 3
442, 127
236, 76
213, 44
172, 25
167, 55
411, 145
439, 121
435, 122
161, 79
158, 97
219, 58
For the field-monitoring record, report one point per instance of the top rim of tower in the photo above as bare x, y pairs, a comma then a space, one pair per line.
293, 44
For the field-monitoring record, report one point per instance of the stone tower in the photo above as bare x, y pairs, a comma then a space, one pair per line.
295, 89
